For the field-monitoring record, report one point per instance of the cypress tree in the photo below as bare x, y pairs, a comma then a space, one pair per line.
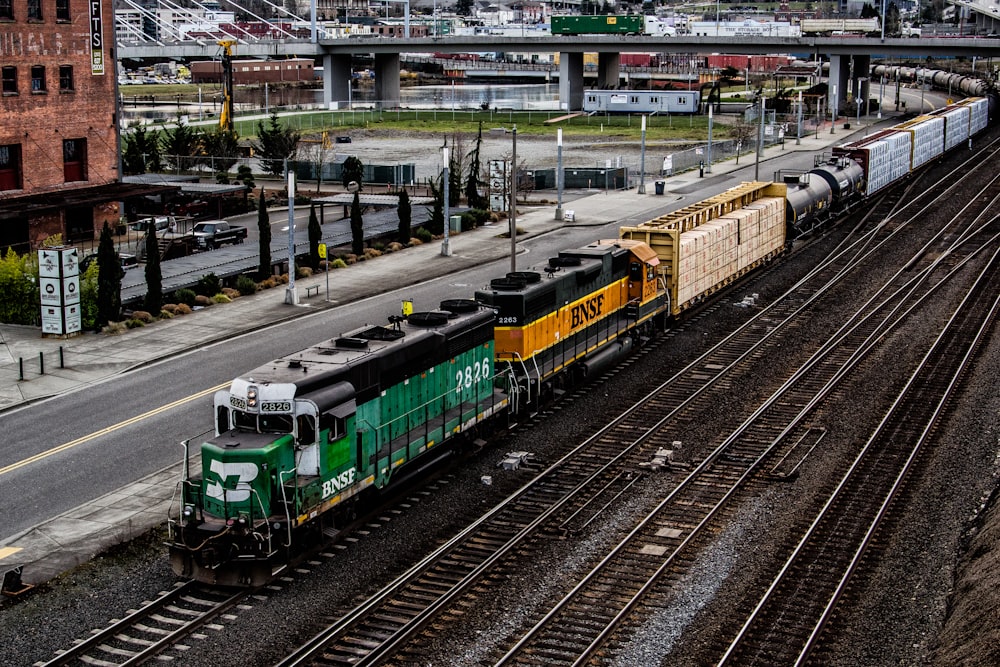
315, 236
154, 276
264, 234
109, 280
357, 227
405, 217
435, 221
472, 184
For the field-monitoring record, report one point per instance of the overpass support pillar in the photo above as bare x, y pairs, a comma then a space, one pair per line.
840, 76
386, 80
336, 81
571, 81
862, 72
608, 70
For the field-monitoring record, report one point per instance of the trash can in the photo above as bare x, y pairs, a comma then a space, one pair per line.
659, 187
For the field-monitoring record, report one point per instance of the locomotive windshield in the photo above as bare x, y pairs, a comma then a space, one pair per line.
261, 423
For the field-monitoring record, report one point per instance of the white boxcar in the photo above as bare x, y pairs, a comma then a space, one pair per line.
928, 138
641, 101
956, 128
884, 157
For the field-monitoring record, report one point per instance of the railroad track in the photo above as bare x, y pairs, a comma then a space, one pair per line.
658, 550
157, 629
788, 622
565, 497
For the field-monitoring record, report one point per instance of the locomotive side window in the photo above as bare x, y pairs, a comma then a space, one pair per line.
635, 272
336, 425
222, 419
306, 430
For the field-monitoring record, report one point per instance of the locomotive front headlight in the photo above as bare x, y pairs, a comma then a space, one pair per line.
251, 396
188, 511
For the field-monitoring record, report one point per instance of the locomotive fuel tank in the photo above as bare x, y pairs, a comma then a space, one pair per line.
808, 198
845, 177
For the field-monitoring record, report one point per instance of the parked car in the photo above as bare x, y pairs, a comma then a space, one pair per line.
128, 261
162, 223
214, 233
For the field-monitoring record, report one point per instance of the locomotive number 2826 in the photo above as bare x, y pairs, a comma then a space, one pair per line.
464, 379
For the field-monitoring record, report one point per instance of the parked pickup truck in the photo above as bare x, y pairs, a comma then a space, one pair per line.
214, 233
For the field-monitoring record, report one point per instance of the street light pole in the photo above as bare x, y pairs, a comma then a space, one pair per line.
798, 128
708, 157
513, 205
291, 297
559, 175
642, 159
760, 140
446, 243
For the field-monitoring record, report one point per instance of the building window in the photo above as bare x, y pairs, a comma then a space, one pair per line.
38, 78
65, 78
9, 76
62, 10
10, 167
7, 10
34, 10
75, 159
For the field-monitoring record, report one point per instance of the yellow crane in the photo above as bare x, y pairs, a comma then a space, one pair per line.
226, 117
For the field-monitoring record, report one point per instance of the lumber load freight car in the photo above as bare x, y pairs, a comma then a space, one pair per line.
706, 246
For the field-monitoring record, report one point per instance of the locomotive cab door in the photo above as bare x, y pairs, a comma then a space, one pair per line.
641, 281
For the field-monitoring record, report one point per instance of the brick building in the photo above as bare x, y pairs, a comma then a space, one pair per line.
58, 122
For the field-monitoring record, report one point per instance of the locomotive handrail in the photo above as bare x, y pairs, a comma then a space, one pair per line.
284, 502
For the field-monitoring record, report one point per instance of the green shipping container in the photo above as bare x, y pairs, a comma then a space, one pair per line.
596, 25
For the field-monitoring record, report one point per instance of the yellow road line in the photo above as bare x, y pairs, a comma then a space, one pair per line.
8, 551
109, 429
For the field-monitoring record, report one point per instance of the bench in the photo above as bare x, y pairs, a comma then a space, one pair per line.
311, 290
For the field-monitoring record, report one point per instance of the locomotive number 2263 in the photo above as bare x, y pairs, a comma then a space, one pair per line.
464, 379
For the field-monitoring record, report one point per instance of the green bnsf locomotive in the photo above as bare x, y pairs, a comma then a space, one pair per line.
306, 434
299, 439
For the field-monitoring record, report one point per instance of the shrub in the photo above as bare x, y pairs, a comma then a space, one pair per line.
166, 315
395, 246
168, 308
185, 296
268, 283
142, 316
246, 285
424, 235
183, 309
283, 279
414, 242
134, 323
203, 301
372, 253
209, 285
115, 328
378, 246
303, 272
221, 298
350, 259
231, 293
338, 264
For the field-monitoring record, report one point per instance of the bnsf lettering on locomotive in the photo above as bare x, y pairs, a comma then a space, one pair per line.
586, 311
338, 483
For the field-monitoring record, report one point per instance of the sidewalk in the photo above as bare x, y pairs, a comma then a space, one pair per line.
73, 538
